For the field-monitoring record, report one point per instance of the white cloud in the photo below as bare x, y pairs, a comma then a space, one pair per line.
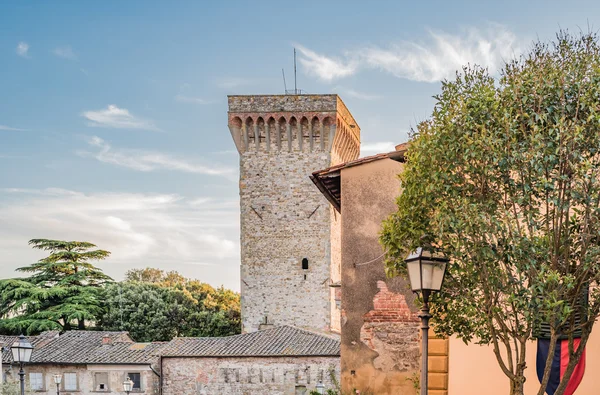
150, 161
4, 127
324, 67
156, 230
194, 100
231, 83
356, 94
118, 118
23, 49
65, 52
377, 147
439, 57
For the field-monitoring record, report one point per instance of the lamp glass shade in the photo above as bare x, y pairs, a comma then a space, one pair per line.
21, 350
127, 385
57, 378
426, 270
320, 388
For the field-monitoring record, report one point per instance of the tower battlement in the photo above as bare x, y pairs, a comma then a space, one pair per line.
305, 123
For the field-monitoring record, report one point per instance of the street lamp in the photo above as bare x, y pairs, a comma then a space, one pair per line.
320, 388
21, 351
57, 380
426, 272
127, 385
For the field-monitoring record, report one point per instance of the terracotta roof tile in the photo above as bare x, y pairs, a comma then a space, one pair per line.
274, 342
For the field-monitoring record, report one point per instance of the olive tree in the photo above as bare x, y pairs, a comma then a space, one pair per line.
504, 179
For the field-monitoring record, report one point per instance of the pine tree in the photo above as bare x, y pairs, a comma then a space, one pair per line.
62, 292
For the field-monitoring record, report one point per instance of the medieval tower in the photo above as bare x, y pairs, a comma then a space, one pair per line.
287, 226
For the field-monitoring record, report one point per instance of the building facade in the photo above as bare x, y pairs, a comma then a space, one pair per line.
288, 231
282, 360
88, 362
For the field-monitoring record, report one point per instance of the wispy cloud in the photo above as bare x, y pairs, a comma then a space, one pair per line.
118, 118
376, 147
231, 83
158, 230
4, 127
65, 52
325, 67
356, 94
150, 160
23, 49
194, 100
434, 59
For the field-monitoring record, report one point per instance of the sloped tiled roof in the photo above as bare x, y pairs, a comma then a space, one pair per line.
86, 347
328, 180
37, 341
275, 342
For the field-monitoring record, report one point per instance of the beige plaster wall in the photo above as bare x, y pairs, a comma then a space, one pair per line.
473, 368
380, 330
85, 378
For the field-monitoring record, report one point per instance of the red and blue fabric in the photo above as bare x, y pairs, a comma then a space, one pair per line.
560, 361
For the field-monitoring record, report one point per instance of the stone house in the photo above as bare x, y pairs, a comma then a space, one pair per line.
89, 362
282, 360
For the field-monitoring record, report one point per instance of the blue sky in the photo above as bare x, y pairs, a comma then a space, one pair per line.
113, 125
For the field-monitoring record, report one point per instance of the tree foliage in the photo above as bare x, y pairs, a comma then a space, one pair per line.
62, 291
503, 178
153, 305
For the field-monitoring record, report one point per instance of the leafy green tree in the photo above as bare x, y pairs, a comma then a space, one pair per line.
63, 290
167, 305
504, 179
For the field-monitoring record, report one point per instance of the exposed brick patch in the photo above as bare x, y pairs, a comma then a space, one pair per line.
389, 307
392, 330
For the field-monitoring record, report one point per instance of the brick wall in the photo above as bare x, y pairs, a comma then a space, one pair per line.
247, 376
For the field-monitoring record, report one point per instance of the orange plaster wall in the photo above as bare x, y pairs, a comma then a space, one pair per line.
473, 369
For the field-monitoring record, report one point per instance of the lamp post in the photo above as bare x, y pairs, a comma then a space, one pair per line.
127, 385
426, 272
21, 351
320, 388
57, 380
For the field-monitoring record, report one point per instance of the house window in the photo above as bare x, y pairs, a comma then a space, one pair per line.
101, 381
36, 381
137, 380
70, 381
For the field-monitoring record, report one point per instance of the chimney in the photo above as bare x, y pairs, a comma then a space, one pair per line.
107, 340
402, 147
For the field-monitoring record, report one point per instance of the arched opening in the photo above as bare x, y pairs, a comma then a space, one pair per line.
271, 133
316, 133
304, 263
282, 133
303, 134
292, 133
262, 133
249, 133
325, 132
236, 131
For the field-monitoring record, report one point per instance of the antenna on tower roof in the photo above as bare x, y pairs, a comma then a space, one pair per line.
295, 85
284, 84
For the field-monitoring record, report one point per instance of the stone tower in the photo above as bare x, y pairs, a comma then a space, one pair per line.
287, 226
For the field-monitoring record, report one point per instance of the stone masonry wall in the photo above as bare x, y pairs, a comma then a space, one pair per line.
284, 219
247, 376
282, 139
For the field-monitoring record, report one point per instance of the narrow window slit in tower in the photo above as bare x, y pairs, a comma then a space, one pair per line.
304, 264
